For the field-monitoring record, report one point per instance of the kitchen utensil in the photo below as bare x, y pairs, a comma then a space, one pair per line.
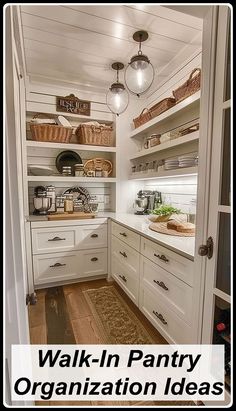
41, 170
42, 204
67, 158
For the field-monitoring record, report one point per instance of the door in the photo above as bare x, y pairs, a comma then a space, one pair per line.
217, 295
16, 329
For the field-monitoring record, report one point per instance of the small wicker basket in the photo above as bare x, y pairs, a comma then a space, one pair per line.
94, 135
143, 118
50, 132
191, 86
162, 106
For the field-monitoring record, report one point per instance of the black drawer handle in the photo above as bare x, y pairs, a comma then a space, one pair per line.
123, 278
57, 265
124, 234
124, 254
94, 259
161, 284
162, 257
94, 235
160, 317
56, 239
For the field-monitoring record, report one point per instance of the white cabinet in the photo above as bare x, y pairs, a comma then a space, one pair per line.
180, 266
47, 240
173, 292
64, 253
156, 279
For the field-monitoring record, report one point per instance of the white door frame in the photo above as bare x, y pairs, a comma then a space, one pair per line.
16, 327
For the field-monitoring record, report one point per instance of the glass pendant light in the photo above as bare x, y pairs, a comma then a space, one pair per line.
117, 95
139, 73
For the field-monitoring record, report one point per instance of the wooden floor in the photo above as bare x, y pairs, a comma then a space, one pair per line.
84, 329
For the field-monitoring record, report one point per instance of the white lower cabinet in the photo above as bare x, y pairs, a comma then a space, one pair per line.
173, 329
66, 266
64, 253
173, 292
156, 279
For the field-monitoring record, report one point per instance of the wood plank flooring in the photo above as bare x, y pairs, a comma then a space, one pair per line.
84, 329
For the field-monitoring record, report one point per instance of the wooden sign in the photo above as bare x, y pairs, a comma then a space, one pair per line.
72, 104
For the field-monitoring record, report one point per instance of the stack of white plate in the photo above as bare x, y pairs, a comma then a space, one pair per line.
188, 160
171, 163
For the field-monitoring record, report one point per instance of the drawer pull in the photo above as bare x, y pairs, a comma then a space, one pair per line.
161, 284
57, 265
124, 234
162, 257
94, 235
56, 239
124, 254
123, 278
94, 259
160, 317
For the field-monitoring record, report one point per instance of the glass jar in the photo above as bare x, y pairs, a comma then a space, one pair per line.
98, 171
66, 171
79, 170
60, 204
69, 203
78, 206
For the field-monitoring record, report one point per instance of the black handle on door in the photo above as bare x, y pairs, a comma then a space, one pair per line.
160, 317
161, 284
124, 254
56, 239
123, 278
124, 234
162, 257
94, 235
57, 265
94, 259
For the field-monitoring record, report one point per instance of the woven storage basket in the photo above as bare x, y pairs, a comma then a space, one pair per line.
94, 135
142, 118
50, 132
162, 106
191, 86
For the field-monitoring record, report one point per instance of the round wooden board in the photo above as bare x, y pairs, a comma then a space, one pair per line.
162, 228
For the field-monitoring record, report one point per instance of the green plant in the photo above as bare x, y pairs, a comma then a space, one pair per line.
166, 210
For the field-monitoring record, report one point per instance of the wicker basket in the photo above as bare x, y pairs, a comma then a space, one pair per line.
142, 118
162, 106
191, 86
50, 132
94, 135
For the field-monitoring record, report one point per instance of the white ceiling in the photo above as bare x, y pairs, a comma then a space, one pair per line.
78, 43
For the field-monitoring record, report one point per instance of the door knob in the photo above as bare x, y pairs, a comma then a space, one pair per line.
206, 249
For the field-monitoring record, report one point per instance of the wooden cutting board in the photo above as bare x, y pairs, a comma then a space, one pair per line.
74, 216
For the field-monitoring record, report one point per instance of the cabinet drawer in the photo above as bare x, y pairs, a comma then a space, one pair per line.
94, 262
49, 240
128, 280
91, 236
174, 293
125, 254
56, 267
126, 235
180, 266
173, 329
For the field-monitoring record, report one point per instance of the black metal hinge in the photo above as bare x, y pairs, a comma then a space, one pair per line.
31, 299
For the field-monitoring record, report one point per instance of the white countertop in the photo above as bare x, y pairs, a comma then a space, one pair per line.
139, 223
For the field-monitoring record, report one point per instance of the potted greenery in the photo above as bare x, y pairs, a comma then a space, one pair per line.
163, 213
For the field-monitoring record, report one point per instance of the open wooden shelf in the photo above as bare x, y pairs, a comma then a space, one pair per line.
188, 138
165, 173
151, 125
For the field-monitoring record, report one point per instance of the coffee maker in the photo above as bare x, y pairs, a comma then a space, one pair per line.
144, 202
